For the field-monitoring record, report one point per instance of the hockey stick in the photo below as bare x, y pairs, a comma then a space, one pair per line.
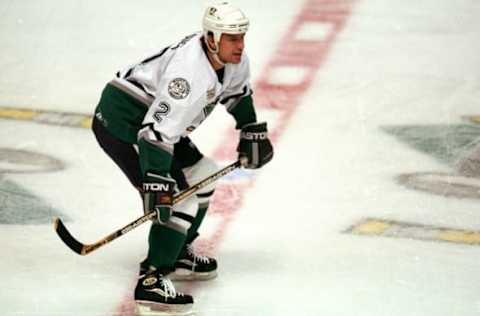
84, 249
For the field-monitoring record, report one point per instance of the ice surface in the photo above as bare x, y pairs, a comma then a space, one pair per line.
389, 100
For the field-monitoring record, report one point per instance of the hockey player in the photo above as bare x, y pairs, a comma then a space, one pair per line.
142, 122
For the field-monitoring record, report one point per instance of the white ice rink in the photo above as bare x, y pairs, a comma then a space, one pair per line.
370, 206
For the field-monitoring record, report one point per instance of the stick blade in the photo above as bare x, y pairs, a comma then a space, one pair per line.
67, 238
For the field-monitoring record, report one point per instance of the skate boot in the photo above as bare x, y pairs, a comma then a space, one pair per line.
189, 266
155, 295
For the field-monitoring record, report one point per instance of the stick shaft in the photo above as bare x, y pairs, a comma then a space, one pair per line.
84, 249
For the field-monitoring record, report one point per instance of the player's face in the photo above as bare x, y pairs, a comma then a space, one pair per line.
231, 48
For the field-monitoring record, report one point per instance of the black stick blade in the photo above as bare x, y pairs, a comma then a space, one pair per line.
67, 238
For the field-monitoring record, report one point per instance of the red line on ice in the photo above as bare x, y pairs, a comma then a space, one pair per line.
283, 97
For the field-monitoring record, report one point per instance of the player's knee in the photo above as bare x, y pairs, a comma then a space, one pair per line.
202, 169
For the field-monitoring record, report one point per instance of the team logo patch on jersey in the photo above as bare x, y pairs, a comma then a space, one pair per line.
179, 88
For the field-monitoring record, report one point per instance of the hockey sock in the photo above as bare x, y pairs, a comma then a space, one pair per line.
197, 221
165, 245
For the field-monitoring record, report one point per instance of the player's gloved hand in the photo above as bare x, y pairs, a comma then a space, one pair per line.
255, 145
158, 196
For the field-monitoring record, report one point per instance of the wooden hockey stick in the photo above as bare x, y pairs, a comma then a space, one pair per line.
84, 249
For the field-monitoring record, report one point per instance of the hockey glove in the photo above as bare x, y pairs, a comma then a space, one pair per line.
158, 196
255, 145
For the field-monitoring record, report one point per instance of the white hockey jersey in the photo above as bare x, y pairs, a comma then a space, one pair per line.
181, 88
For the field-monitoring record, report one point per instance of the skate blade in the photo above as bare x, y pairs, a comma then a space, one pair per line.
187, 275
145, 308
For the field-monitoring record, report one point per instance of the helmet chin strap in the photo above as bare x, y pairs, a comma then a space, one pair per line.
217, 59
214, 53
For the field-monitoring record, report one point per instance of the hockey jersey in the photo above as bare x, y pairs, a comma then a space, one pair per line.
155, 102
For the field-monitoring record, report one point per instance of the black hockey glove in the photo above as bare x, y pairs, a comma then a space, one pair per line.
255, 145
158, 196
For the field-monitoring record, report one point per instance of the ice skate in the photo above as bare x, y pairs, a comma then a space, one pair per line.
190, 267
155, 295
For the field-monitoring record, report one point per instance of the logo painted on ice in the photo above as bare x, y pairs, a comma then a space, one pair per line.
455, 145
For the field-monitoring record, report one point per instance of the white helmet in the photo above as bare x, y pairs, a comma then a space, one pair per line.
224, 18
